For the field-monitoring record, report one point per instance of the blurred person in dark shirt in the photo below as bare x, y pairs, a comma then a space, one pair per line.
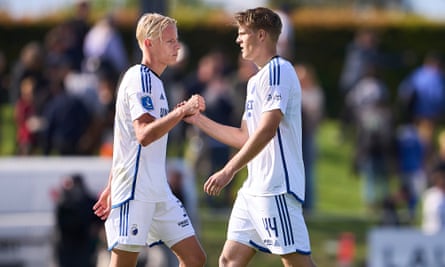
77, 226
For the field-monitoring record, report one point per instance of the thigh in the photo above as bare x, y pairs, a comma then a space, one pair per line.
240, 226
128, 225
171, 223
280, 224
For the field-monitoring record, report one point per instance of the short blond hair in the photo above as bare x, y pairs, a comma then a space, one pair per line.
151, 25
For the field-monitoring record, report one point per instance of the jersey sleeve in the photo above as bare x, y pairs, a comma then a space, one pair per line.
275, 97
139, 102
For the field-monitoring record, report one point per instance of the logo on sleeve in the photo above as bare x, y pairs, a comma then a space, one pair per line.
275, 97
147, 102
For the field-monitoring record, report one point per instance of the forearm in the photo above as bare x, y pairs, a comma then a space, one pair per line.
251, 148
231, 136
149, 129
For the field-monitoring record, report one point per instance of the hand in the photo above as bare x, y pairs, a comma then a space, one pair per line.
191, 119
194, 104
102, 207
217, 182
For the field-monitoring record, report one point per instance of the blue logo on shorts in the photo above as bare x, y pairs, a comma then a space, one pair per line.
147, 103
134, 229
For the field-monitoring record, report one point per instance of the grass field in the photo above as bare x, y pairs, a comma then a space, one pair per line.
339, 207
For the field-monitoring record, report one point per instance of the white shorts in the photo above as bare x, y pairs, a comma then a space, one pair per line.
273, 224
136, 224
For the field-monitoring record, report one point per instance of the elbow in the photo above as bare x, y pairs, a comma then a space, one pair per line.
241, 141
269, 134
144, 143
144, 139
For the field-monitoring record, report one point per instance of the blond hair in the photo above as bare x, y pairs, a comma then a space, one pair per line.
151, 25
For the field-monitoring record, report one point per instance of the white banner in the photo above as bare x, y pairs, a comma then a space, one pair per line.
405, 247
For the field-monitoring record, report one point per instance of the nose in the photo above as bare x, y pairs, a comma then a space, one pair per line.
238, 39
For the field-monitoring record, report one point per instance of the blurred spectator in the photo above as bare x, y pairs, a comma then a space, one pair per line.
423, 97
411, 163
76, 29
374, 142
105, 120
360, 54
433, 219
84, 85
30, 64
312, 103
103, 47
67, 120
26, 119
77, 226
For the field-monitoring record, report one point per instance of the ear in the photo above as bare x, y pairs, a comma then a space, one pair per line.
262, 34
147, 42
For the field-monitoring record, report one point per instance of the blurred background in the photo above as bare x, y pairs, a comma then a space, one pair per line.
373, 104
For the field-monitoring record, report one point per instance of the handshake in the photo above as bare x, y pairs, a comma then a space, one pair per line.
194, 105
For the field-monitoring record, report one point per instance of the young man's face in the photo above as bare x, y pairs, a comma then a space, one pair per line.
248, 42
166, 47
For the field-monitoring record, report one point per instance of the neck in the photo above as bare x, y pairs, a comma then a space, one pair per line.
153, 65
265, 57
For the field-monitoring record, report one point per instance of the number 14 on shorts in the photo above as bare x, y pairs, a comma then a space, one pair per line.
270, 224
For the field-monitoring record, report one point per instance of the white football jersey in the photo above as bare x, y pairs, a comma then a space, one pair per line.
139, 172
278, 168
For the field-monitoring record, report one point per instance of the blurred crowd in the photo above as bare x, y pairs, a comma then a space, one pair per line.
63, 88
63, 91
397, 132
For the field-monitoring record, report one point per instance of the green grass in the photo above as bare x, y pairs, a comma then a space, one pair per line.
7, 130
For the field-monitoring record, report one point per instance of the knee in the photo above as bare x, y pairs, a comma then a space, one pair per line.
223, 261
197, 260
201, 259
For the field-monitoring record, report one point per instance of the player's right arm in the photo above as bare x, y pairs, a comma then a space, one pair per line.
102, 207
148, 129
